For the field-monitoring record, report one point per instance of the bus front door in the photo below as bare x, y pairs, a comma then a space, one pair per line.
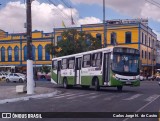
59, 72
106, 67
78, 70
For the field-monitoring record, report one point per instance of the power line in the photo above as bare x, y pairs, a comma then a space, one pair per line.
153, 3
68, 18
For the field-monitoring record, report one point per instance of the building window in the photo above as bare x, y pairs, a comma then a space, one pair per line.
145, 40
59, 38
16, 53
145, 54
25, 53
9, 54
47, 56
113, 38
149, 55
128, 37
33, 52
40, 52
99, 37
142, 37
2, 54
149, 42
142, 53
153, 43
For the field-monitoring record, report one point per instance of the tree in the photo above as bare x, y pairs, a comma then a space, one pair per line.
75, 42
45, 69
51, 49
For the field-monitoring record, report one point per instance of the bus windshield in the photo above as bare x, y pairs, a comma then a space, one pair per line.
125, 64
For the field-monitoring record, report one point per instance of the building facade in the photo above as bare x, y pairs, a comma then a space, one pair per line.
13, 50
135, 35
13, 47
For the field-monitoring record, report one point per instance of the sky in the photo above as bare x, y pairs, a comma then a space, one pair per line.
49, 14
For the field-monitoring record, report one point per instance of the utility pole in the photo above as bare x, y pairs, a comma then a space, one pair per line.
30, 81
104, 24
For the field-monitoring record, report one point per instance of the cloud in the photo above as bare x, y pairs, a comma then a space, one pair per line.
45, 17
87, 20
134, 9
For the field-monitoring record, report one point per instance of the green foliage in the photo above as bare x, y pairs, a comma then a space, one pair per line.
51, 49
74, 42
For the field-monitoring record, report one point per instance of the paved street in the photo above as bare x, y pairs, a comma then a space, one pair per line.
145, 98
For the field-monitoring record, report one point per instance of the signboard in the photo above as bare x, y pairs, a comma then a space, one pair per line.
128, 21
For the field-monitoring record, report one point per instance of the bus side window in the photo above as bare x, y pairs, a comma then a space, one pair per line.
71, 63
64, 63
87, 60
54, 65
97, 59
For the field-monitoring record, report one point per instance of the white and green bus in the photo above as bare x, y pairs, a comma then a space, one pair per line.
111, 66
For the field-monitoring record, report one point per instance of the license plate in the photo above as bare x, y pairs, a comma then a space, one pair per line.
128, 82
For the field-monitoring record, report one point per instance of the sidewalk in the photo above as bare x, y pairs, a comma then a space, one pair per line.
8, 92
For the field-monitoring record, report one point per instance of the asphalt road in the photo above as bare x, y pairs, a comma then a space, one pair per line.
145, 98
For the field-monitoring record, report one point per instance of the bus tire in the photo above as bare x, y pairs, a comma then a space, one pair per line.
65, 83
119, 88
96, 84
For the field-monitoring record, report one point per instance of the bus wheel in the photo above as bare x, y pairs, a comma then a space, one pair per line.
96, 84
119, 88
65, 83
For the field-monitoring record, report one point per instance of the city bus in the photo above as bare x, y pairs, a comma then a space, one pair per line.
111, 66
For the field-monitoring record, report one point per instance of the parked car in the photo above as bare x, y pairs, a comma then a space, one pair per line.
141, 78
3, 75
151, 78
15, 77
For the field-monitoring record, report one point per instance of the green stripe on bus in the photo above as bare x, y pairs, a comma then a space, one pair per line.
87, 80
54, 76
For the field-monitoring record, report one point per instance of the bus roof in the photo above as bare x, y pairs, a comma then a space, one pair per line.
108, 49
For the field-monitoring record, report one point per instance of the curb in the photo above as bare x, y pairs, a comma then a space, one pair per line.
39, 96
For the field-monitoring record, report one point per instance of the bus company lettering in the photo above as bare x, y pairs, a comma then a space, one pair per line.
64, 73
91, 69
